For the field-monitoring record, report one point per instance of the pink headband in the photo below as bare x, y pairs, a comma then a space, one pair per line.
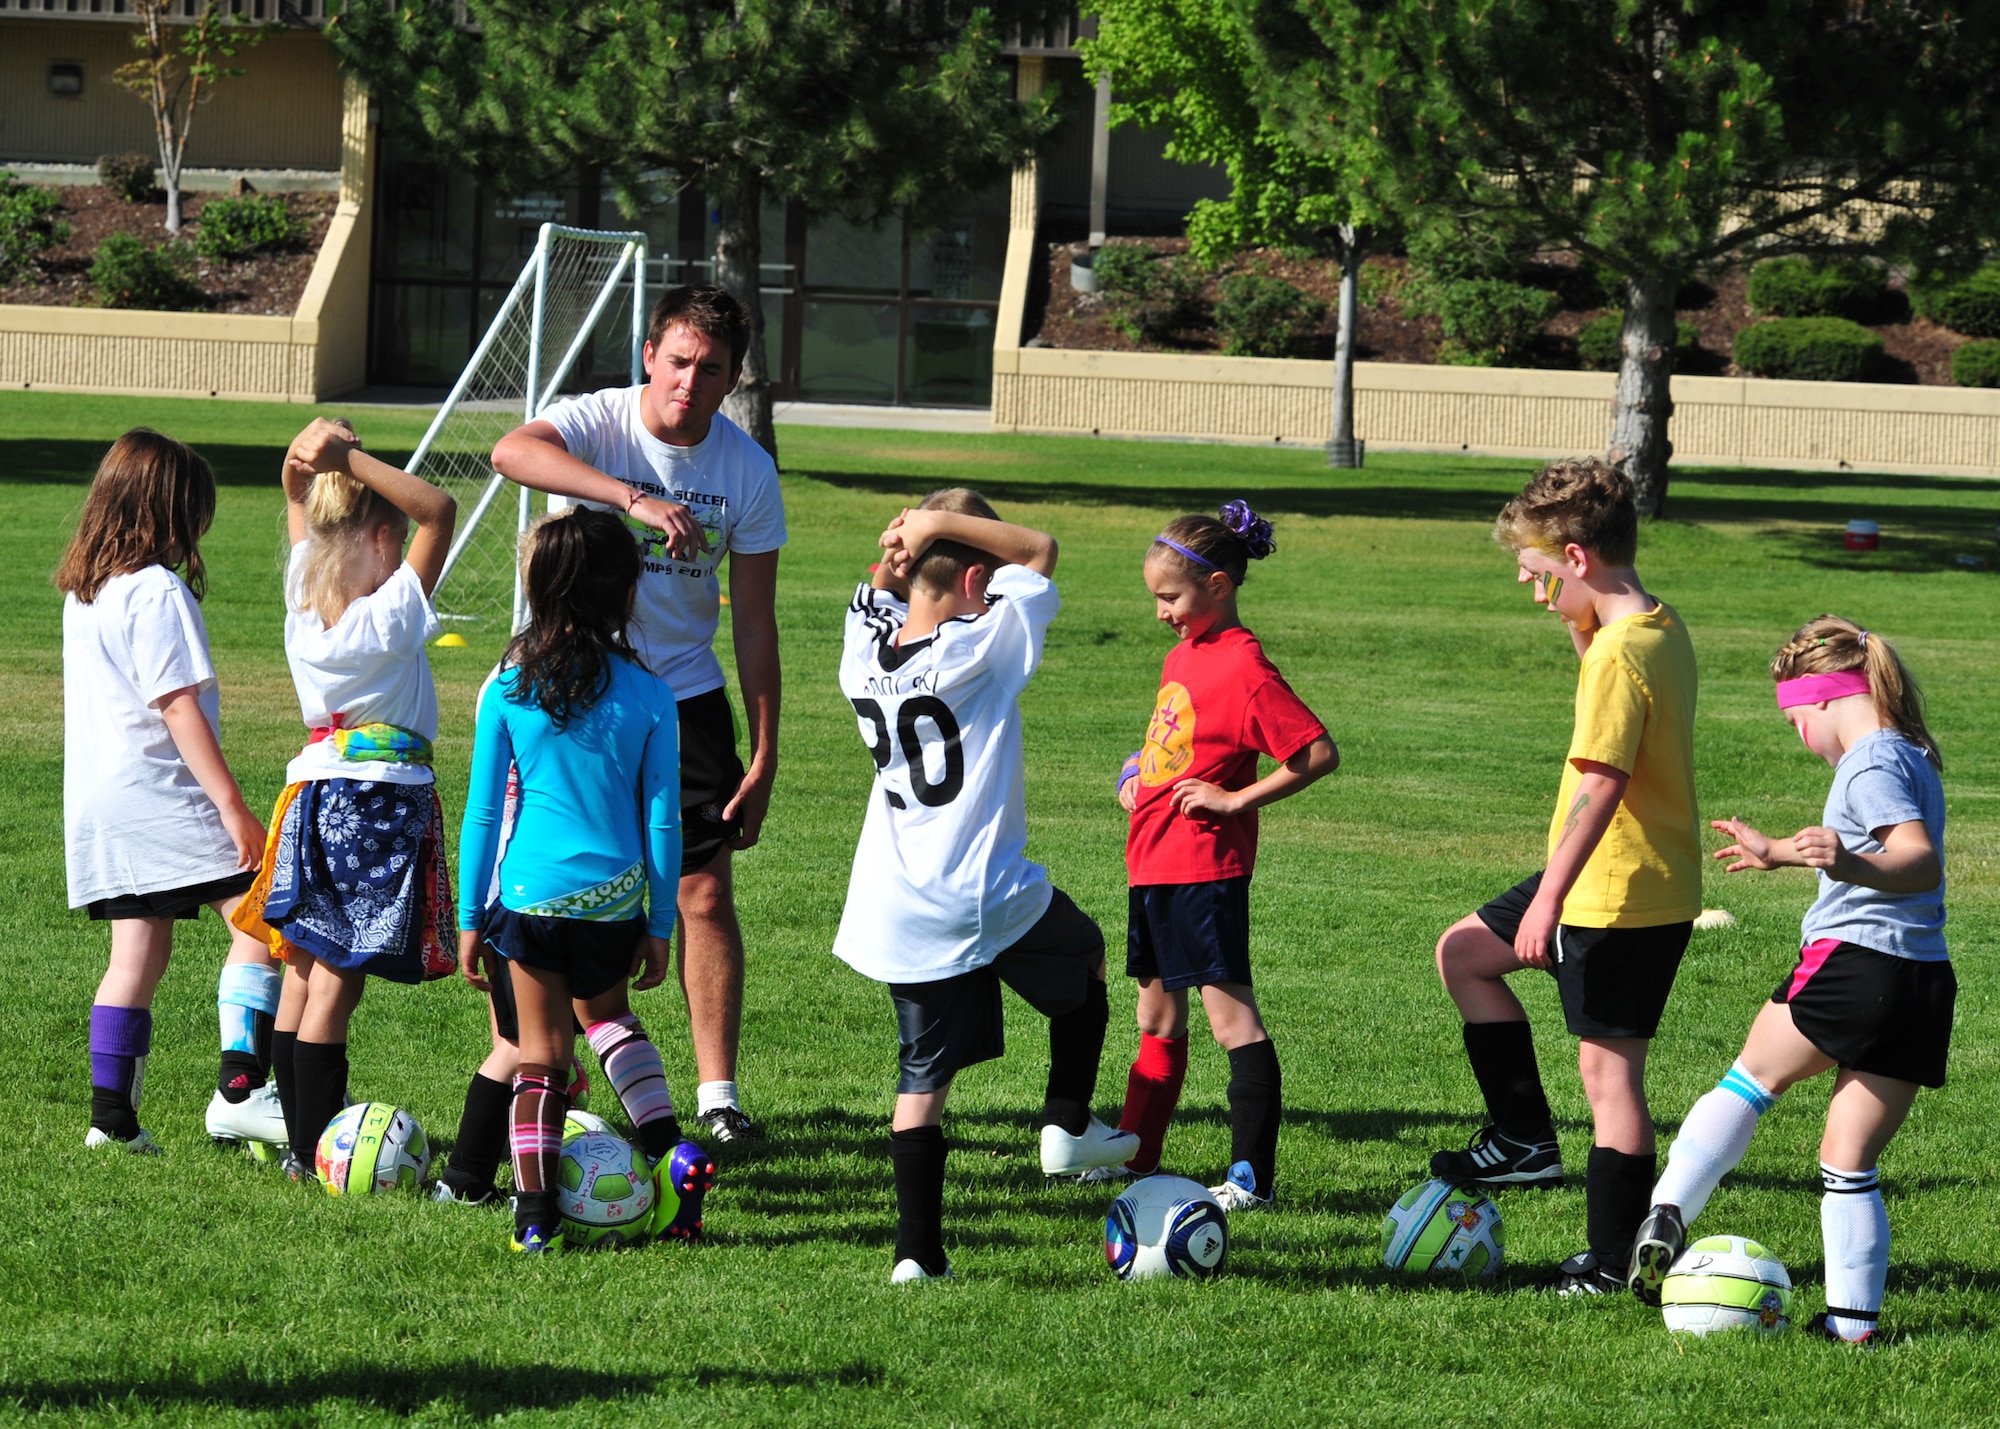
1811, 689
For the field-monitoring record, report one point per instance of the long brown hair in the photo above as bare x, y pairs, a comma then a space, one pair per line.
1827, 644
579, 568
151, 502
340, 512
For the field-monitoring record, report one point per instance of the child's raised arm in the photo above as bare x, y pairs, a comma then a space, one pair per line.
333, 446
911, 533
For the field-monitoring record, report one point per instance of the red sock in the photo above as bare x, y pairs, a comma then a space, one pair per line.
1152, 1091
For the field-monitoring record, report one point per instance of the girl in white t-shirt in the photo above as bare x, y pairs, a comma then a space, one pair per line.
354, 878
154, 826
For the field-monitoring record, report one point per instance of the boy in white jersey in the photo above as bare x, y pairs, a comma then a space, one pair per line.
943, 904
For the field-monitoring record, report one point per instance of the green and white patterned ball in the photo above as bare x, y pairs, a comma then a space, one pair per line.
578, 1122
372, 1146
1439, 1227
606, 1192
1726, 1282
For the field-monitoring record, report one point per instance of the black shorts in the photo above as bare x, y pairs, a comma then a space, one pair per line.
1614, 981
1189, 934
710, 776
1871, 1012
955, 1023
593, 956
183, 904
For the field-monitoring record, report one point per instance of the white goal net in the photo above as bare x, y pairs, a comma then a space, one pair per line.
581, 298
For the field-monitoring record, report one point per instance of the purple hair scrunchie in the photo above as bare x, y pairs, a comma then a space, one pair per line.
1248, 527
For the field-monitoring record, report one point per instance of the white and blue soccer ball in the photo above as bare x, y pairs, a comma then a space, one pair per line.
605, 1190
1166, 1225
1726, 1282
371, 1146
578, 1122
1439, 1227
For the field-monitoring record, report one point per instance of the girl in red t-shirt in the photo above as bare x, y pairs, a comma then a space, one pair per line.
1193, 794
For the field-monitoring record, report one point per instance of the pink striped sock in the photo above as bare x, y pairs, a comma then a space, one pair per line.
537, 1131
632, 1064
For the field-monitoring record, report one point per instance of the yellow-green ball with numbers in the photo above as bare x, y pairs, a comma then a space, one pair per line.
1439, 1227
372, 1146
1726, 1282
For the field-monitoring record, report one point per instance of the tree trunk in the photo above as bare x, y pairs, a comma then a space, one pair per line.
1644, 404
1343, 450
739, 243
170, 180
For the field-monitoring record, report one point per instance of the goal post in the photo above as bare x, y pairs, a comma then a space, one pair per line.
581, 290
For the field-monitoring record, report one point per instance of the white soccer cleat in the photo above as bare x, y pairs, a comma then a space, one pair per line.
1099, 1145
140, 1145
1238, 1191
908, 1272
258, 1117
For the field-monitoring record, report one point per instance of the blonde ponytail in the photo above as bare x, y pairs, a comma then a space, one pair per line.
340, 512
1828, 644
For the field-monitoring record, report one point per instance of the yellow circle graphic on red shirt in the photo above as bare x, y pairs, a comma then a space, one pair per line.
1169, 738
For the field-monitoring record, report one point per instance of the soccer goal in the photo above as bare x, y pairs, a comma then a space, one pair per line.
572, 297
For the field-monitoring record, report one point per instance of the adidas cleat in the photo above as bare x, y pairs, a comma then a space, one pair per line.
257, 1118
728, 1123
1494, 1160
1581, 1274
536, 1240
1662, 1236
1238, 1191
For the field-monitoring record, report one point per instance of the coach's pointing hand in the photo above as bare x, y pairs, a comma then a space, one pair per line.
685, 538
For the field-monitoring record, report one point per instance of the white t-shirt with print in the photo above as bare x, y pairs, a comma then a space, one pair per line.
135, 819
369, 668
728, 483
941, 882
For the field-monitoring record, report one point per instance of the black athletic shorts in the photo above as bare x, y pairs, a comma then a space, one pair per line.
1614, 981
710, 776
955, 1023
1189, 934
183, 904
1871, 1012
593, 956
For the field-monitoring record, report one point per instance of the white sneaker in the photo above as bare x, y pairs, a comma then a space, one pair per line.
258, 1117
908, 1272
1105, 1175
1099, 1145
1238, 1191
140, 1145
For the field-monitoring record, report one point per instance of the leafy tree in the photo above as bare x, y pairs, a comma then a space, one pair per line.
1656, 138
1187, 67
868, 109
177, 71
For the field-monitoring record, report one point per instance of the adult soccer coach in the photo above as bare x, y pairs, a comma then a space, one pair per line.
697, 488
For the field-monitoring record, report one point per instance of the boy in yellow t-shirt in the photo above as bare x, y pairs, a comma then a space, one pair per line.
1611, 911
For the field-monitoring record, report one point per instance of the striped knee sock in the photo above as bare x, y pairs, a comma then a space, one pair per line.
540, 1103
632, 1065
1855, 1226
1712, 1140
246, 1004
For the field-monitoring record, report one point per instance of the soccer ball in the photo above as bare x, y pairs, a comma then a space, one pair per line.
1166, 1225
605, 1190
1726, 1282
1438, 1227
372, 1146
579, 1122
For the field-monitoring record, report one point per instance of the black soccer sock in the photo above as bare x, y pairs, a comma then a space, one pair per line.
482, 1136
1503, 1061
319, 1070
918, 1156
1617, 1192
239, 1075
264, 1028
1076, 1046
284, 1072
1256, 1106
535, 1208
111, 1113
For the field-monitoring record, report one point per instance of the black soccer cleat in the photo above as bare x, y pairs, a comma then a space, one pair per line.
728, 1123
1662, 1236
1582, 1274
1496, 1160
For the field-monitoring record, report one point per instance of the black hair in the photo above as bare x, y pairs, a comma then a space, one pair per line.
579, 569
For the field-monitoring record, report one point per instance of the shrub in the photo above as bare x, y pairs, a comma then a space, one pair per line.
238, 227
130, 176
1800, 288
1970, 305
1597, 342
1485, 320
1977, 364
1809, 349
1265, 317
1149, 294
28, 226
128, 274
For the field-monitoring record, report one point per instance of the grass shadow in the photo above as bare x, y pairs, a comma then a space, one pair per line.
470, 1388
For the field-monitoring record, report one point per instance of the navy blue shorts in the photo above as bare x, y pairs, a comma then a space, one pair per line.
1189, 934
595, 957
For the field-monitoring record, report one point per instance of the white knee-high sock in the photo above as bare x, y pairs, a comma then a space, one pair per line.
1712, 1140
1855, 1225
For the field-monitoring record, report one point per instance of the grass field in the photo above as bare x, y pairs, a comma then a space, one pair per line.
199, 1288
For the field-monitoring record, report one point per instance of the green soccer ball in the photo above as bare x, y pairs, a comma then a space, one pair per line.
606, 1192
1726, 1282
1441, 1228
372, 1146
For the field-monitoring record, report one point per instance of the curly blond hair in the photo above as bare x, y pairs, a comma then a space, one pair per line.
1583, 502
